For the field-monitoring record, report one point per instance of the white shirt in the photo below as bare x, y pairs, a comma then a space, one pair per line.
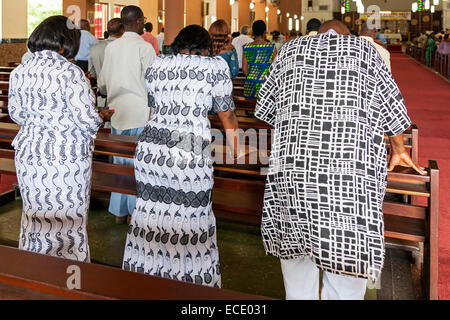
87, 40
239, 43
160, 38
97, 56
122, 78
385, 55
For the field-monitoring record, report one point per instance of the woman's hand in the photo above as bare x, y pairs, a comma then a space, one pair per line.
106, 115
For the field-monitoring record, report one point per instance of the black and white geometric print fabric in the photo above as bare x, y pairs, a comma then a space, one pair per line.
173, 229
52, 101
331, 99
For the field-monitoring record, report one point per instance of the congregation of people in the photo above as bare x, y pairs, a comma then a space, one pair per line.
164, 100
433, 42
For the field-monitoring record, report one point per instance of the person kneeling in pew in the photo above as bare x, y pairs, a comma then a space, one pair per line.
51, 99
328, 172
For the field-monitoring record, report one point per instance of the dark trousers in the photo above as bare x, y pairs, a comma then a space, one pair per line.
84, 65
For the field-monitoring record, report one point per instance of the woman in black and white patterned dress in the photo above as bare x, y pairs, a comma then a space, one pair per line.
173, 229
52, 101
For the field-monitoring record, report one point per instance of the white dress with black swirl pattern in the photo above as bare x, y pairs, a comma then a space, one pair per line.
173, 229
52, 101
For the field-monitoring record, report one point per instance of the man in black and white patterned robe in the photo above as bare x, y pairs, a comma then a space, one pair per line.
331, 99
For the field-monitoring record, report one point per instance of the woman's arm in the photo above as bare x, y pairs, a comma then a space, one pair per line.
231, 126
275, 53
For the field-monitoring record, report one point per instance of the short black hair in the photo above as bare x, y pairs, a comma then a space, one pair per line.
56, 33
235, 34
259, 27
193, 38
115, 26
148, 27
446, 36
313, 24
130, 15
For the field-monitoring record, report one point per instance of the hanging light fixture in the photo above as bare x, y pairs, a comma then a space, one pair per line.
231, 2
278, 12
267, 9
432, 9
252, 5
414, 7
288, 15
295, 17
427, 5
436, 2
342, 10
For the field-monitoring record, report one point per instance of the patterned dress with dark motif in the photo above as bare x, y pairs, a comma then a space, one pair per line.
173, 229
53, 102
331, 99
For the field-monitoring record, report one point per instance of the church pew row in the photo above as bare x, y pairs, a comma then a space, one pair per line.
239, 81
411, 136
4, 76
239, 189
244, 104
29, 276
6, 69
439, 62
108, 144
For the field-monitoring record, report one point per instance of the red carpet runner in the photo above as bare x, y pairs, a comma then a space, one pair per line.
427, 97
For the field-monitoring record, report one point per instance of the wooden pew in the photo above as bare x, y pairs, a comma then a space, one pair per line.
239, 81
29, 276
239, 193
411, 136
238, 91
239, 189
6, 69
440, 62
4, 76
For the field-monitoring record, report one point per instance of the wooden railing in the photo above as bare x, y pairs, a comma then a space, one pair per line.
25, 275
439, 62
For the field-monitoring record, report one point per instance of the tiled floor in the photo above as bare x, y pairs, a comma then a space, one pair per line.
245, 267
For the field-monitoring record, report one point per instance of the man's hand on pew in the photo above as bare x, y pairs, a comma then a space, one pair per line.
400, 157
106, 115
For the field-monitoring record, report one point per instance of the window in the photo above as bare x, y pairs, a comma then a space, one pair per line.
101, 19
117, 10
39, 10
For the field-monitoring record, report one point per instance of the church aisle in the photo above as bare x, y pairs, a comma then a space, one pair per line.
427, 97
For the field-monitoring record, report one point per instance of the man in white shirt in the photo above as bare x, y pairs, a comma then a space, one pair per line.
240, 42
122, 79
160, 38
97, 55
370, 34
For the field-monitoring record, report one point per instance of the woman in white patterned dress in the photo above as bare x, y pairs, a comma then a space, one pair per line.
52, 101
173, 229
